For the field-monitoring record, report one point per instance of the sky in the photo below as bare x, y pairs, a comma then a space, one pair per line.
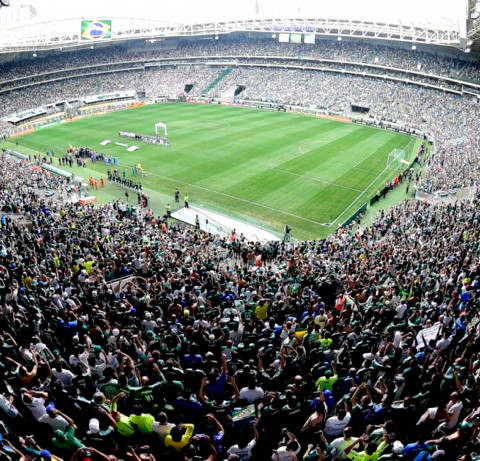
188, 10
185, 11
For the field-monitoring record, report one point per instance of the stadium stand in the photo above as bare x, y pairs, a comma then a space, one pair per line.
119, 332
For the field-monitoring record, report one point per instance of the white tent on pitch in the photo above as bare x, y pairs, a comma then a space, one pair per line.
161, 125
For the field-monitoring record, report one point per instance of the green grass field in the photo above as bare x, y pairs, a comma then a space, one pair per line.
268, 168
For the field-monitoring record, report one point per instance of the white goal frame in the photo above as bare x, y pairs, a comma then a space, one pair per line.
161, 125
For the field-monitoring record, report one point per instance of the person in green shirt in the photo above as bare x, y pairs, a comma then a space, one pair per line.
371, 452
313, 453
327, 381
142, 421
146, 394
124, 426
66, 440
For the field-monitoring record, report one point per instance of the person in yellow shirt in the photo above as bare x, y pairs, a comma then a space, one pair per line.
327, 381
372, 451
88, 266
261, 311
179, 436
124, 426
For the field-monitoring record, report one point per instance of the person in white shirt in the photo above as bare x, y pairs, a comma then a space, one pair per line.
78, 356
252, 393
7, 406
64, 376
335, 425
148, 323
401, 310
35, 402
162, 427
444, 342
243, 449
25, 352
338, 445
56, 419
285, 450
454, 407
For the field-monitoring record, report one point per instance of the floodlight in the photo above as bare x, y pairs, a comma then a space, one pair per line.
216, 37
414, 47
339, 39
469, 42
468, 49
34, 55
274, 35
475, 14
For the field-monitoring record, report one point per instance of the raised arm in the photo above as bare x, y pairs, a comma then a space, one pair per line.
353, 444
260, 361
334, 367
201, 393
113, 423
255, 431
224, 364
217, 423
457, 381
236, 392
69, 420
131, 363
103, 455
355, 394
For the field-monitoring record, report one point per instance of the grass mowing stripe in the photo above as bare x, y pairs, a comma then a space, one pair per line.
238, 198
317, 180
223, 157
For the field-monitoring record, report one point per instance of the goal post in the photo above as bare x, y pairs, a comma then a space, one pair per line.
161, 126
399, 159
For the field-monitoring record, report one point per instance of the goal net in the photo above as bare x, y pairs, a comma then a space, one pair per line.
394, 159
399, 159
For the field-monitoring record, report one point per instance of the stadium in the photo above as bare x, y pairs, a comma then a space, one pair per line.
240, 230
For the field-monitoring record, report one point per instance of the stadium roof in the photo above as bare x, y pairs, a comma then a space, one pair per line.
441, 22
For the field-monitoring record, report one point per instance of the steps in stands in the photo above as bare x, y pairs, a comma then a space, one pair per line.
219, 78
231, 93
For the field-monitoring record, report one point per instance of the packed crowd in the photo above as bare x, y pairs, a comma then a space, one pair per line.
355, 52
123, 338
169, 83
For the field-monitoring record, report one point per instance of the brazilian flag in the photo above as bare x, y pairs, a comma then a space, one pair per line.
96, 30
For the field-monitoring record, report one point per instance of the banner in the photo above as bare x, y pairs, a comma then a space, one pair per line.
427, 334
295, 38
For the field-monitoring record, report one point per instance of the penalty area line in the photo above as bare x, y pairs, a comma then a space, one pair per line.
366, 171
238, 198
360, 196
318, 180
225, 195
302, 152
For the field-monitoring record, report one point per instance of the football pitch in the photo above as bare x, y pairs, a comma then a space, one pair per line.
265, 168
